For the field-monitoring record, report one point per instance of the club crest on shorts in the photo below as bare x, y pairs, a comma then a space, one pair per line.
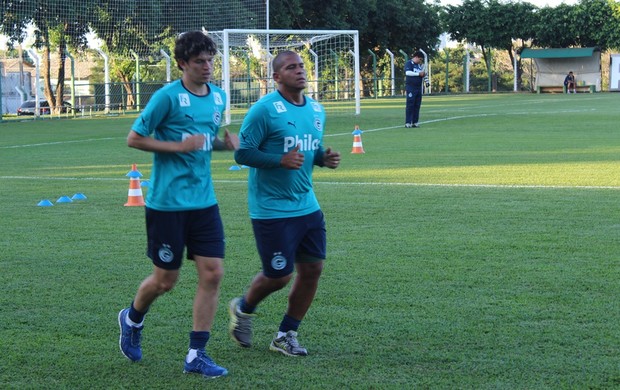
278, 262
165, 253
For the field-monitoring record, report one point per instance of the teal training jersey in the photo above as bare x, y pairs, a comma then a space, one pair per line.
181, 181
273, 126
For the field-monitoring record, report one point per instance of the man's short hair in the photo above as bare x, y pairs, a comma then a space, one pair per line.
418, 54
278, 61
191, 44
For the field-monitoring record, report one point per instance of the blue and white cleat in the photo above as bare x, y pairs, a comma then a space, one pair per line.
129, 340
202, 364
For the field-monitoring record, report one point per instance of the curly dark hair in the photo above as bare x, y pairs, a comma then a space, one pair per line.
191, 44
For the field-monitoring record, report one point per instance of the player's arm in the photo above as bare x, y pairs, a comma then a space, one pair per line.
326, 158
230, 142
150, 144
331, 159
253, 157
154, 114
252, 133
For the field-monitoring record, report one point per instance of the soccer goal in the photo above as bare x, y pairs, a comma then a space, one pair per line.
331, 58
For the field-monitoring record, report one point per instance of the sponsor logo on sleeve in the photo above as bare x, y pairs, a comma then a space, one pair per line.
184, 100
280, 107
218, 99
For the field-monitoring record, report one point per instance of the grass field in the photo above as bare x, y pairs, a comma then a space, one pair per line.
480, 251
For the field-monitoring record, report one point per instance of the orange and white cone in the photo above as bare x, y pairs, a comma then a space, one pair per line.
357, 141
134, 196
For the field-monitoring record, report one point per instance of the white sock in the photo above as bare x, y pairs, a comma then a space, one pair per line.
191, 355
129, 322
280, 334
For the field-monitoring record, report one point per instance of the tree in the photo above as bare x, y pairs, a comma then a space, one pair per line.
513, 26
131, 28
614, 39
407, 24
492, 24
555, 27
595, 23
59, 25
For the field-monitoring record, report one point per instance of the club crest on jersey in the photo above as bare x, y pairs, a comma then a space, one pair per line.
280, 107
318, 125
184, 100
217, 117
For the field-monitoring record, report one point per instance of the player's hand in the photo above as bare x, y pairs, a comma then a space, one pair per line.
191, 143
331, 159
231, 140
422, 73
293, 159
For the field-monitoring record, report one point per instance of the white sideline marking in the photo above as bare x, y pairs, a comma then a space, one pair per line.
361, 183
58, 143
453, 118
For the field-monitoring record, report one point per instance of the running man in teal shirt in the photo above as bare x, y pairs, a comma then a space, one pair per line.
180, 127
281, 141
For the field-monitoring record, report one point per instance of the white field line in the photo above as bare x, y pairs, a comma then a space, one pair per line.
334, 183
508, 186
453, 118
59, 143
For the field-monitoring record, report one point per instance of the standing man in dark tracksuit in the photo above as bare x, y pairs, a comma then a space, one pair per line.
415, 74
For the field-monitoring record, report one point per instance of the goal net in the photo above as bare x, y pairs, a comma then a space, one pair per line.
331, 59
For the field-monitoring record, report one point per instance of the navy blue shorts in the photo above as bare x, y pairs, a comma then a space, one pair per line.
283, 241
169, 232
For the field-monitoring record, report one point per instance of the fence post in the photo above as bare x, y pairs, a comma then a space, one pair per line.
516, 73
447, 68
392, 76
106, 80
374, 73
428, 72
248, 84
489, 71
135, 55
37, 81
72, 60
336, 84
167, 58
1, 100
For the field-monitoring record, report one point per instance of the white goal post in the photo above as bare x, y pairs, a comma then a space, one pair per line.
331, 58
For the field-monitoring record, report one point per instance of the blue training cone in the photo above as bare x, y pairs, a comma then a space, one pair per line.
64, 199
45, 203
134, 173
78, 196
234, 168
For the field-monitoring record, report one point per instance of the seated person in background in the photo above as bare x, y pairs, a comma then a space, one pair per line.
569, 82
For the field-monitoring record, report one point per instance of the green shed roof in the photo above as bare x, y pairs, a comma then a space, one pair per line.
558, 53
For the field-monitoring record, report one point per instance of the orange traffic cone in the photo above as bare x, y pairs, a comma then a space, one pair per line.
134, 196
357, 141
